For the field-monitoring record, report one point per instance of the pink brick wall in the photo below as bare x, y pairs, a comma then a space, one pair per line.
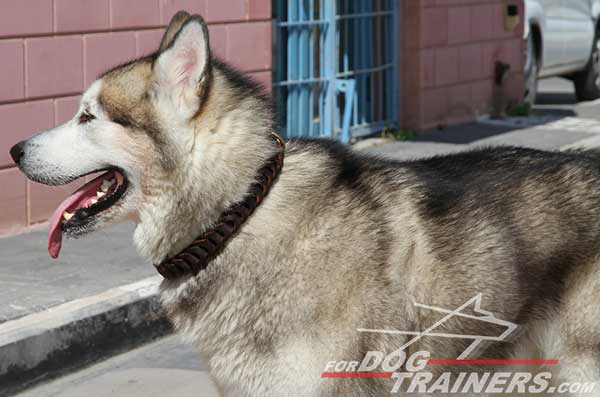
448, 52
50, 50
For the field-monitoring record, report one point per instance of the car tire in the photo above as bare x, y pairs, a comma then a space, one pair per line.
587, 82
531, 72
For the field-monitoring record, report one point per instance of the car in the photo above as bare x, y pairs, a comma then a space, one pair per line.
562, 39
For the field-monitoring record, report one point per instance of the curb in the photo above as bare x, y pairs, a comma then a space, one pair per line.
44, 345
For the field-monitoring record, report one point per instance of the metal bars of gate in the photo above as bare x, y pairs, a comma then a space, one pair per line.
335, 67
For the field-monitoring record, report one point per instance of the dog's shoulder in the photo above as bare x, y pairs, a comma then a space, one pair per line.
348, 167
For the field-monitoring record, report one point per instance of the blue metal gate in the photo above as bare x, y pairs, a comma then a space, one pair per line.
335, 67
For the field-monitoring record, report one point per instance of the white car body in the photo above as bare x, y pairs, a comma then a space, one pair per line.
566, 30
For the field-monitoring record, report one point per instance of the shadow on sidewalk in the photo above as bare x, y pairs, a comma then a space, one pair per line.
462, 134
561, 106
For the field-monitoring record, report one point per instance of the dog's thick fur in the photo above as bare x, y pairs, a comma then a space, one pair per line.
343, 241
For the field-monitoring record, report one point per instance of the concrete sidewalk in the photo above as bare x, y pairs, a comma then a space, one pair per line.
31, 281
544, 133
90, 303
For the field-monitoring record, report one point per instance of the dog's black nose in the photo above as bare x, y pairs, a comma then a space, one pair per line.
17, 152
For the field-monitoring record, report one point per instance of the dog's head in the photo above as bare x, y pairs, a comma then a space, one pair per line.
134, 121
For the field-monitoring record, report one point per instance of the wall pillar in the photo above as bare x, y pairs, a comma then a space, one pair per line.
448, 50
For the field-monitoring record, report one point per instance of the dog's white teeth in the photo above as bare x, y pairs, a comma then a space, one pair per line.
100, 194
67, 215
94, 201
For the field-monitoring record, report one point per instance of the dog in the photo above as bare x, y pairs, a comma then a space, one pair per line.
335, 242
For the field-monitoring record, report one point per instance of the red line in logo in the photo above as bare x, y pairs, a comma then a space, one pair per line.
356, 375
372, 375
493, 362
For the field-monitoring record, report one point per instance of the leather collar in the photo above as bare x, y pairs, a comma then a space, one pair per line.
206, 247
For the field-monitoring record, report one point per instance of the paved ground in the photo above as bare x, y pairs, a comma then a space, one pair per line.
31, 281
557, 97
168, 367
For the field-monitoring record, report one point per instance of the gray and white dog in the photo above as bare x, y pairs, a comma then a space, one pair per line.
342, 242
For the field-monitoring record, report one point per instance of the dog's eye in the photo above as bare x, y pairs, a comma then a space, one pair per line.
86, 117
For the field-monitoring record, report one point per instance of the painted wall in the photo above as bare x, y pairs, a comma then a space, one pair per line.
448, 52
50, 50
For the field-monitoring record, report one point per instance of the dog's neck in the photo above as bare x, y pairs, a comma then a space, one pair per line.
206, 247
229, 145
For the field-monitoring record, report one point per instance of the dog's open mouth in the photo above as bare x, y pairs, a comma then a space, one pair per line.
79, 208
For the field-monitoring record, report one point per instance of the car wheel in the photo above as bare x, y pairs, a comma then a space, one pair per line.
587, 82
531, 72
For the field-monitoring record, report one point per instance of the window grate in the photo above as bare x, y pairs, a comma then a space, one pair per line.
335, 67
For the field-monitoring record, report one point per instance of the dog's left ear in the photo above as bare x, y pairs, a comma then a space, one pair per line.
182, 69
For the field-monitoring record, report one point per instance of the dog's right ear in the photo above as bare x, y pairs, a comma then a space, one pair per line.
174, 26
181, 71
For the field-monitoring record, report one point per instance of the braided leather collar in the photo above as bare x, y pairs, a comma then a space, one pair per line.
211, 243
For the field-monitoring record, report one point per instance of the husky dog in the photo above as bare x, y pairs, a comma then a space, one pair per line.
342, 242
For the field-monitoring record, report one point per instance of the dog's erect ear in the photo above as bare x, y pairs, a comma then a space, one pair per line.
174, 26
182, 69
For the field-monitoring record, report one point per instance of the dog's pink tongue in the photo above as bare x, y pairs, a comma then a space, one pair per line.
71, 203
56, 233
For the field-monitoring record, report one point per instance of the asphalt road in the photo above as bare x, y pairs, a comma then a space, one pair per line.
557, 97
164, 368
